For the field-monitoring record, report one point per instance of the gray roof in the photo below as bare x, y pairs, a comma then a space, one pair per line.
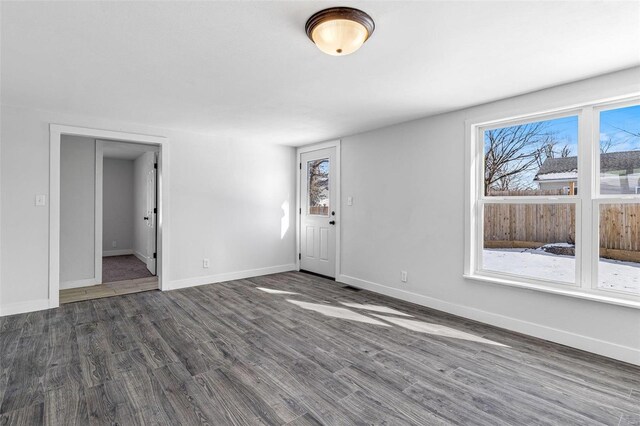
626, 160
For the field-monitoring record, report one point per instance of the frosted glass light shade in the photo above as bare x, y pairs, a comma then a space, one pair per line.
339, 31
339, 37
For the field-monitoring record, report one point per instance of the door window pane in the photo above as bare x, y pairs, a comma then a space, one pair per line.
530, 240
619, 263
620, 151
318, 187
538, 158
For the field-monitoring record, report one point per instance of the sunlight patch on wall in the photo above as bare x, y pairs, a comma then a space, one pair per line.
284, 222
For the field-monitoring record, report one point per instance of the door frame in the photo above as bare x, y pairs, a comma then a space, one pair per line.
162, 229
310, 148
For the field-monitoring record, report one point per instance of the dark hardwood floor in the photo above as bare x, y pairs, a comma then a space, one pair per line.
233, 353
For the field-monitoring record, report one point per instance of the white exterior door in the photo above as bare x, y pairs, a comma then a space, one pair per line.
151, 211
318, 212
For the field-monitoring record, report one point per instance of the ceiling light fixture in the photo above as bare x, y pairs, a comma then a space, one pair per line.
339, 31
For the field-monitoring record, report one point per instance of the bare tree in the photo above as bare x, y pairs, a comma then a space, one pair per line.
513, 152
607, 144
550, 150
565, 151
318, 181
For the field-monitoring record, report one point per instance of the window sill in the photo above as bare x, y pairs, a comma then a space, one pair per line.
570, 292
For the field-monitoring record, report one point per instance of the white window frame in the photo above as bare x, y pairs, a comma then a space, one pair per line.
587, 203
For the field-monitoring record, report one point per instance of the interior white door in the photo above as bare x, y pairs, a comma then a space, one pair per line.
151, 211
318, 212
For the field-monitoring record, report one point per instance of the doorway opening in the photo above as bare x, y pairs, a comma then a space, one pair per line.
108, 205
119, 206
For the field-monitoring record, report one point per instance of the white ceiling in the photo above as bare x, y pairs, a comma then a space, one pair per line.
246, 71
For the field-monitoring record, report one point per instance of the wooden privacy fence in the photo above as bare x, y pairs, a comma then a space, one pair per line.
319, 210
620, 231
533, 225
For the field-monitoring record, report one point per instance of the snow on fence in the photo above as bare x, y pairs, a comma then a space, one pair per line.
527, 192
533, 225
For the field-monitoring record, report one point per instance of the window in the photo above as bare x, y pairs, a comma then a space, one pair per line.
527, 168
619, 251
318, 178
617, 202
537, 158
529, 225
531, 240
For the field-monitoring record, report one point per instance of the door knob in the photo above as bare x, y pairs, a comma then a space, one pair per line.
332, 222
146, 218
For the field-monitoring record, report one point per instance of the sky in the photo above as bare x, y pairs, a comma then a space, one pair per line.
612, 121
612, 125
566, 132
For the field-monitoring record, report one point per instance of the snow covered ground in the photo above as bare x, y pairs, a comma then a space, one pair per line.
613, 274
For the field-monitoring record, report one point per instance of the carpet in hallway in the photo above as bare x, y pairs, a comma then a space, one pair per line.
120, 268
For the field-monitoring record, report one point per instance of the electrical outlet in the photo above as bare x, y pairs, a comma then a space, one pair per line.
205, 263
114, 244
403, 276
349, 201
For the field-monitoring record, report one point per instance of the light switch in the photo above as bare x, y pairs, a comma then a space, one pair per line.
41, 200
349, 201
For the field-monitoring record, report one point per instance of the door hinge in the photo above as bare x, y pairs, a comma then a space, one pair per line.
299, 256
155, 210
155, 165
300, 166
155, 255
300, 210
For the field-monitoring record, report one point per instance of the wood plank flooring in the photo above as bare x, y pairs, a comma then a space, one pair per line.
242, 353
116, 288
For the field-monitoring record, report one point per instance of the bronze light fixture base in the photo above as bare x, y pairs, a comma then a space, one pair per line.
339, 31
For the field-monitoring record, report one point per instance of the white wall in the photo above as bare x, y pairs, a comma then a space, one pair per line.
77, 208
226, 202
548, 186
117, 205
233, 198
141, 233
414, 221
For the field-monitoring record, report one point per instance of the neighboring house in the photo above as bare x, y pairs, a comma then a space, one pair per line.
619, 173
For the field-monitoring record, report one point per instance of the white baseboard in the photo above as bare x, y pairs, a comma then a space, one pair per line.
121, 252
79, 283
140, 256
586, 343
24, 307
229, 276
